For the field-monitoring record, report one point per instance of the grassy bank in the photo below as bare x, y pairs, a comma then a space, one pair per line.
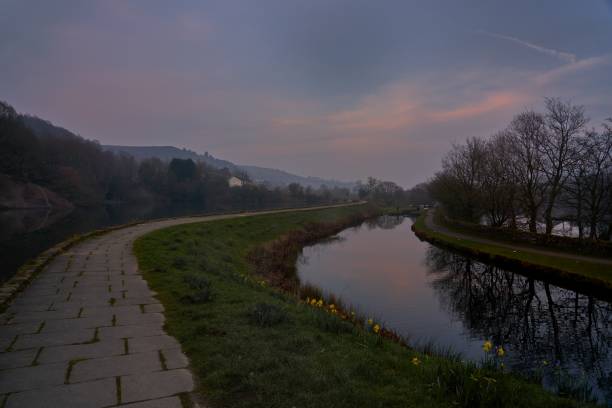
254, 345
575, 274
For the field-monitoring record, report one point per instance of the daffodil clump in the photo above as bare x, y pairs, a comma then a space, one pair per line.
493, 354
331, 308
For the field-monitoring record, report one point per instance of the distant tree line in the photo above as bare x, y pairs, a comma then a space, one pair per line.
388, 193
79, 170
544, 167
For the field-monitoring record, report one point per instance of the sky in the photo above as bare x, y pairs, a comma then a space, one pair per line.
340, 89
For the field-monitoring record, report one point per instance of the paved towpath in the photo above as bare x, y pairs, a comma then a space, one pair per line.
429, 222
88, 332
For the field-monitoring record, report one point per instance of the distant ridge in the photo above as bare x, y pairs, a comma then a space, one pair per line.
271, 177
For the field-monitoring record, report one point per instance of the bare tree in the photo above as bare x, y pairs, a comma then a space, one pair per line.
498, 187
459, 185
575, 187
564, 123
607, 219
597, 185
526, 162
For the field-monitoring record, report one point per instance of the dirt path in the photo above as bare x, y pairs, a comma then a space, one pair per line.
88, 331
429, 222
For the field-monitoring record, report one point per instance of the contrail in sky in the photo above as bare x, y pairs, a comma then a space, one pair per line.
564, 56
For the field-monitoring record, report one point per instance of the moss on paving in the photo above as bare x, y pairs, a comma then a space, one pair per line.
301, 360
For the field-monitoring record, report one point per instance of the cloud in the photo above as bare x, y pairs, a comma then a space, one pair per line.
402, 106
569, 69
496, 101
561, 55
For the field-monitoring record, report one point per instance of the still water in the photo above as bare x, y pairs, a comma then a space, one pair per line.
429, 294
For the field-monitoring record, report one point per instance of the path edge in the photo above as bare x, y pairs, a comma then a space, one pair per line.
29, 270
566, 279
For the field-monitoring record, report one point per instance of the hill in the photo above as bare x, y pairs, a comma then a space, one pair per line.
271, 177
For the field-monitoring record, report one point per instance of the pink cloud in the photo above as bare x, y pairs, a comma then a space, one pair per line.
496, 101
401, 107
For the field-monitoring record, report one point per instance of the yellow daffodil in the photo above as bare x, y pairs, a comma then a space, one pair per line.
370, 322
487, 346
415, 361
500, 351
376, 328
320, 303
313, 302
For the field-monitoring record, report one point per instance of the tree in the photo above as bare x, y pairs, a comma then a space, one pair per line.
459, 185
296, 191
575, 189
564, 123
498, 187
597, 185
525, 161
152, 174
182, 169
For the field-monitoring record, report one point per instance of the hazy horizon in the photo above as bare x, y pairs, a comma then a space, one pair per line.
334, 89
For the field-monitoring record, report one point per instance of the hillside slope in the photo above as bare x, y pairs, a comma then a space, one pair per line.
272, 177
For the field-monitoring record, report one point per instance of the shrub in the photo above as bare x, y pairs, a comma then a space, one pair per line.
330, 323
266, 315
180, 262
201, 289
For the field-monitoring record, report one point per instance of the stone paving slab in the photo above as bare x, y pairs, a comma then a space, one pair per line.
76, 324
12, 330
82, 351
27, 378
172, 402
57, 338
174, 358
15, 359
95, 394
155, 385
150, 343
121, 332
115, 366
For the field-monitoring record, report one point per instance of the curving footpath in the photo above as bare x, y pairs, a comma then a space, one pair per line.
88, 331
430, 224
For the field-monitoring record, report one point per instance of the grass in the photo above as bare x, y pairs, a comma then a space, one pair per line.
253, 345
572, 271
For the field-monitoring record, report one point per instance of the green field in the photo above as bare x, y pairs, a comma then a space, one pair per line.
251, 345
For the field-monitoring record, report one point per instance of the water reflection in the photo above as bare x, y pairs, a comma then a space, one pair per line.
385, 222
535, 321
429, 293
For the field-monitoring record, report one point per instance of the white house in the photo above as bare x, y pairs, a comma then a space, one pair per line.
235, 182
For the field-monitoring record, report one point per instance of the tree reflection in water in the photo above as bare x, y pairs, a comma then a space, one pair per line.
545, 329
386, 222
